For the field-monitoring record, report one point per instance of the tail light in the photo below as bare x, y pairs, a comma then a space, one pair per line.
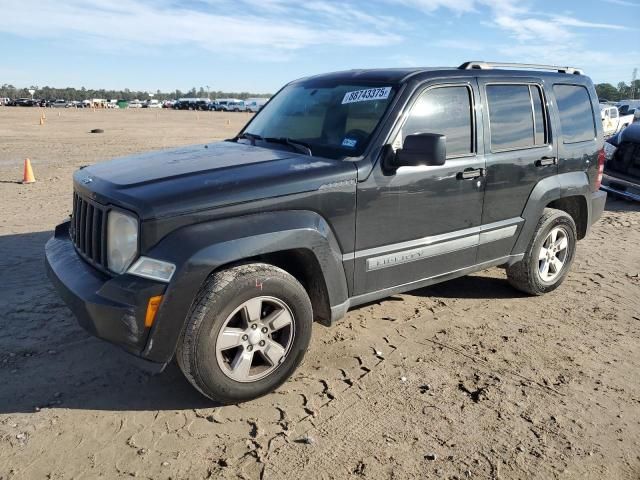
601, 159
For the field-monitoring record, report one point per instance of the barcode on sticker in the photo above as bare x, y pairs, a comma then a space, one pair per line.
369, 94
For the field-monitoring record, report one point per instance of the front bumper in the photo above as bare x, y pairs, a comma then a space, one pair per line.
620, 187
111, 308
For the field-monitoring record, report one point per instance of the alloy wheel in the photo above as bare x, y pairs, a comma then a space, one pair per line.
255, 339
553, 254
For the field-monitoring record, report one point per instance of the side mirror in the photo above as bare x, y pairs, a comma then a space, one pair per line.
422, 149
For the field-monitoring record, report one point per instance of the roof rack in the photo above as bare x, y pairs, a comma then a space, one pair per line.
480, 65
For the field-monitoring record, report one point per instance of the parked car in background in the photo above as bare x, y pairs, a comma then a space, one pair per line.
5, 101
202, 104
255, 104
230, 104
622, 165
238, 106
181, 104
220, 105
135, 104
153, 104
168, 103
25, 102
60, 103
192, 104
612, 121
629, 103
630, 109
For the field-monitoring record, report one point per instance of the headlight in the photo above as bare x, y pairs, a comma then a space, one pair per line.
122, 241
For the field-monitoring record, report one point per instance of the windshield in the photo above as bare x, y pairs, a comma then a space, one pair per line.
334, 121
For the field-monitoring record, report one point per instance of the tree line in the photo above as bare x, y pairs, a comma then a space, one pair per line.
69, 93
606, 91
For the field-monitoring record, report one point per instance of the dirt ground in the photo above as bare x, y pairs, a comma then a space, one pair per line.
466, 379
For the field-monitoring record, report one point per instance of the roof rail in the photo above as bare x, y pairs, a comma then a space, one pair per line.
480, 65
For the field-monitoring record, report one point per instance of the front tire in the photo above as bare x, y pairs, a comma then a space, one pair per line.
247, 332
549, 255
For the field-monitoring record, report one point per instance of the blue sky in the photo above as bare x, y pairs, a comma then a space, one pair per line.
258, 45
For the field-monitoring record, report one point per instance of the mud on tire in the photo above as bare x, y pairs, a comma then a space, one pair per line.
219, 303
526, 275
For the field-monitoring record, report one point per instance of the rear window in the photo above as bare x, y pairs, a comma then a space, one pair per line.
516, 116
576, 114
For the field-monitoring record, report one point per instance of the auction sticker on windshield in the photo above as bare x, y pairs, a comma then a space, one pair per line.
381, 93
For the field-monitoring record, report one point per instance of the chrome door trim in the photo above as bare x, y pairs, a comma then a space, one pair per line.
413, 250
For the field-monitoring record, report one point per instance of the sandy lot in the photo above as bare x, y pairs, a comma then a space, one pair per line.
467, 379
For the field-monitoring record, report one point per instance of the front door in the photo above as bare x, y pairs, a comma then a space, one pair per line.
420, 222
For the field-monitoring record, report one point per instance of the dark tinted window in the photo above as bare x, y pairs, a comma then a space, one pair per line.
510, 117
444, 110
576, 114
538, 115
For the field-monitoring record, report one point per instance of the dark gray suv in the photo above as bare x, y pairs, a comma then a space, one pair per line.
345, 188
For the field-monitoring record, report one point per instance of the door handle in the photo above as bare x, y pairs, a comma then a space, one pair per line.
470, 174
546, 161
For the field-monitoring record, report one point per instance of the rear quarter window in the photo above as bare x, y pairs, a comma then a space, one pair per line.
576, 114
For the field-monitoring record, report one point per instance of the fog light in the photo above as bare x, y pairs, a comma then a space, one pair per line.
153, 269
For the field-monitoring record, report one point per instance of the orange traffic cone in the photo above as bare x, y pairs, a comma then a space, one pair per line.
28, 176
44, 116
41, 121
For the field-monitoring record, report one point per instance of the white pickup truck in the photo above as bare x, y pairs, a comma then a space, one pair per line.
612, 121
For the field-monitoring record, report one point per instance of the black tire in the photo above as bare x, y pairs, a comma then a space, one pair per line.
525, 275
219, 297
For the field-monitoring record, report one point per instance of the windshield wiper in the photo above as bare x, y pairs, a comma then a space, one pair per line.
250, 136
297, 145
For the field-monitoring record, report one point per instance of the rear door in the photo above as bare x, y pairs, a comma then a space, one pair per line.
519, 151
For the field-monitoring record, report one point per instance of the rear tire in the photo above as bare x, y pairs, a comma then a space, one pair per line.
221, 354
549, 255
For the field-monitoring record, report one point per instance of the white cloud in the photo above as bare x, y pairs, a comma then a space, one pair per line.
457, 6
624, 3
574, 22
279, 30
533, 37
258, 28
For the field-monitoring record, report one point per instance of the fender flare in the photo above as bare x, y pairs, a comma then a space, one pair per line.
552, 188
198, 250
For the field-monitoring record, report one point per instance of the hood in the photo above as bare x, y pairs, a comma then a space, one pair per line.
182, 180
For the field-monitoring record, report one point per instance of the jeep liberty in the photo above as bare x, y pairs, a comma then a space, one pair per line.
345, 188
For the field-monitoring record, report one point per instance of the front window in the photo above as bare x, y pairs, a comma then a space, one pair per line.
335, 119
444, 110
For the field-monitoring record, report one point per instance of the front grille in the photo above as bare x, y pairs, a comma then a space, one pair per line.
88, 231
